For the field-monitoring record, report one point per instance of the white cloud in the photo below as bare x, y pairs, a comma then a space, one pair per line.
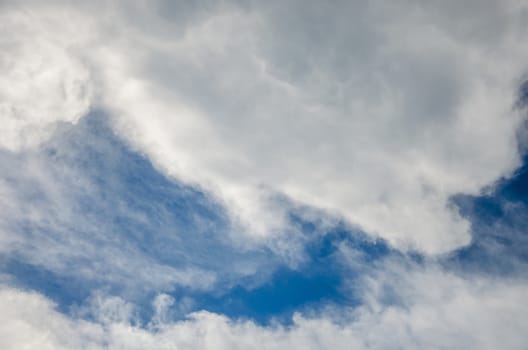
30, 322
437, 310
42, 81
161, 304
375, 112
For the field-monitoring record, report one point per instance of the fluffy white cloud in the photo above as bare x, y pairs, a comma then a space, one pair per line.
436, 310
31, 323
376, 112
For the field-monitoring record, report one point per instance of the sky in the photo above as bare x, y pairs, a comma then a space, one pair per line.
263, 174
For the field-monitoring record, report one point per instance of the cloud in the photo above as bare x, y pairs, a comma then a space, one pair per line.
438, 309
85, 207
457, 313
377, 113
31, 322
381, 127
153, 152
42, 80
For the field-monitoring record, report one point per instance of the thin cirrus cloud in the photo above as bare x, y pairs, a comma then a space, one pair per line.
263, 174
90, 214
86, 207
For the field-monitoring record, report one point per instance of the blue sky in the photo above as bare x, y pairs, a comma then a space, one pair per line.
183, 228
233, 175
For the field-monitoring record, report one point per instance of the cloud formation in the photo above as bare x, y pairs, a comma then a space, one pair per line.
381, 127
162, 162
42, 80
455, 314
377, 113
